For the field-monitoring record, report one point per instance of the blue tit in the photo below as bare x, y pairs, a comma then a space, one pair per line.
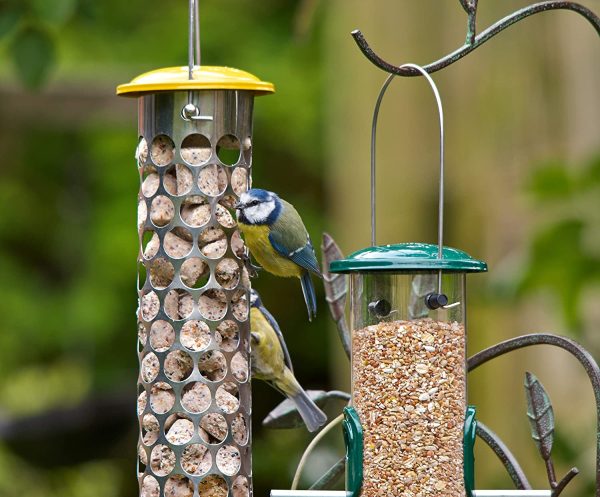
278, 240
271, 362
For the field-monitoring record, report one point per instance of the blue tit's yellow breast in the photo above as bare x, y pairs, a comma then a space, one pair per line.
257, 240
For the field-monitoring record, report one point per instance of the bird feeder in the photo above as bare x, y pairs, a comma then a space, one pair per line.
194, 159
409, 428
409, 373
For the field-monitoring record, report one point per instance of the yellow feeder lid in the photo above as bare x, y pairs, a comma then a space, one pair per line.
204, 78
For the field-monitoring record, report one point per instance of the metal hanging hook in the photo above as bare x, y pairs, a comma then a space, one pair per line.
434, 300
373, 155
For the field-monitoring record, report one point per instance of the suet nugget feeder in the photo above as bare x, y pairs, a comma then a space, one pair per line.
194, 158
409, 415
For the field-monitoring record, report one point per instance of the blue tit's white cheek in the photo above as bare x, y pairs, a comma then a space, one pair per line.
258, 214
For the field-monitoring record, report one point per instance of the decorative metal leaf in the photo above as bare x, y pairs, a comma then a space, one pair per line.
331, 477
285, 415
336, 289
540, 414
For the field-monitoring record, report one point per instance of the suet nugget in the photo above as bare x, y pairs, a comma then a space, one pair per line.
271, 363
278, 240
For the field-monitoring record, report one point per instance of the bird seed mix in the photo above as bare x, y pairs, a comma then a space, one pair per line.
410, 393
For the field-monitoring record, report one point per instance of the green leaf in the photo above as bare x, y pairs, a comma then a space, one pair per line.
33, 54
552, 181
10, 15
54, 11
285, 415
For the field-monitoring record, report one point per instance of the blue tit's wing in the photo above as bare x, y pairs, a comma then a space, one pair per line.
303, 255
286, 354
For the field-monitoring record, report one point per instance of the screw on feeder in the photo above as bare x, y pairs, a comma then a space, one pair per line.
433, 300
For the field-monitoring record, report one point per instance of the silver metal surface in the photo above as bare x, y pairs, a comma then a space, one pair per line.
160, 114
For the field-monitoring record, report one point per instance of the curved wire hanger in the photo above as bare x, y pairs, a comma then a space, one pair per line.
438, 100
386, 84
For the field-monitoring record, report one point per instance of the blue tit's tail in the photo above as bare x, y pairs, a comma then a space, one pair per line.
312, 416
309, 295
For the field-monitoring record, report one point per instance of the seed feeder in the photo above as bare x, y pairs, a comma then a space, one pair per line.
194, 158
409, 402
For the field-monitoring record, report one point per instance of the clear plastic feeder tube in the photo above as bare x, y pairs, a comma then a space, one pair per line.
409, 374
409, 382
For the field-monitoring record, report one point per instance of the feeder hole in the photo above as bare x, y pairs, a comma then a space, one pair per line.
227, 273
194, 273
196, 397
224, 217
213, 243
228, 149
212, 180
195, 335
213, 305
196, 460
212, 365
215, 428
239, 428
162, 210
150, 367
239, 302
240, 487
229, 332
141, 152
239, 367
180, 432
162, 336
162, 150
213, 486
196, 149
162, 273
239, 180
150, 429
228, 460
179, 486
162, 398
227, 398
150, 487
177, 243
196, 215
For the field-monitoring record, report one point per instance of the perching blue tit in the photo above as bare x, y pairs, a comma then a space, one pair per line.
278, 240
271, 362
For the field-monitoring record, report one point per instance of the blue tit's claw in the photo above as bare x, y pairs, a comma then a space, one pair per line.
252, 269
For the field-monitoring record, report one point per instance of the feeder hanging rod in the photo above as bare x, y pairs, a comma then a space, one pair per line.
194, 38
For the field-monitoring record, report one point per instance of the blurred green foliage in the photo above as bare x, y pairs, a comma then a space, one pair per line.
564, 253
68, 242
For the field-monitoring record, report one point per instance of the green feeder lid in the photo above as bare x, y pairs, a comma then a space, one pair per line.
408, 257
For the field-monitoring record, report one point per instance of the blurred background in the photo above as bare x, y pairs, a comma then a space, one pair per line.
523, 193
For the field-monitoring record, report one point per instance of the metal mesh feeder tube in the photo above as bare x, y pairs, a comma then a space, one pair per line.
194, 159
409, 372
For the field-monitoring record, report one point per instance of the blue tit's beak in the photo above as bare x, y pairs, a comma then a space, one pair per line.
238, 205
